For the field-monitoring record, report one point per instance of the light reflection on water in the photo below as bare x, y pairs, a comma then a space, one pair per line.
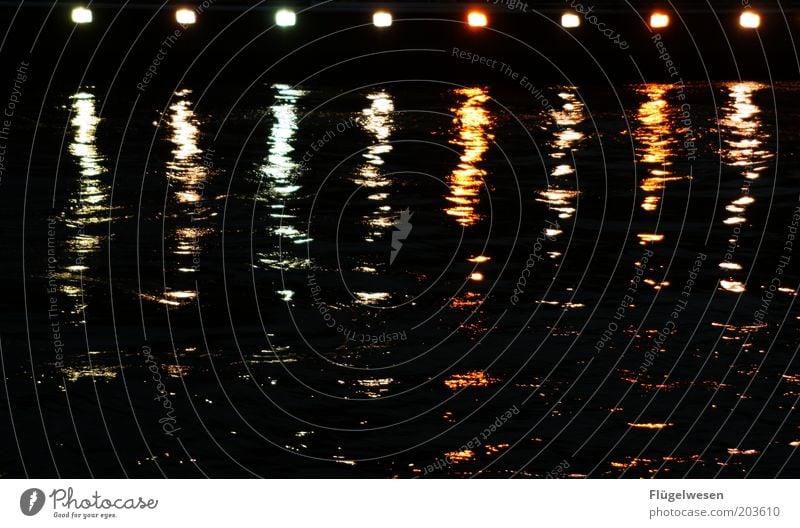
279, 178
280, 168
86, 211
87, 204
475, 378
378, 121
473, 122
472, 134
656, 142
283, 178
373, 387
186, 207
561, 193
744, 140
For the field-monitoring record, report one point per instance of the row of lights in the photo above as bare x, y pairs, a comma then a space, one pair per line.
658, 20
287, 18
187, 17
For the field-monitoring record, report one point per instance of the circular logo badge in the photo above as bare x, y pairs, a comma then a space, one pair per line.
31, 501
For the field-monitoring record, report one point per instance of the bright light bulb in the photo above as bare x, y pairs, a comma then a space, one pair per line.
81, 15
382, 19
570, 20
285, 18
750, 19
185, 17
477, 19
659, 20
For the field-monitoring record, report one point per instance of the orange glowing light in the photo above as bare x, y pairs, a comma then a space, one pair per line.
477, 19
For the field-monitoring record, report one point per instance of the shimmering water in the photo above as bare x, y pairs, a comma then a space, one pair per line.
408, 281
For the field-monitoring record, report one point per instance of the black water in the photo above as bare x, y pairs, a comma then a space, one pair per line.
240, 251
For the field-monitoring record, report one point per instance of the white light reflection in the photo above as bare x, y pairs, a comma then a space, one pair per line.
88, 202
279, 174
186, 173
561, 195
744, 151
377, 120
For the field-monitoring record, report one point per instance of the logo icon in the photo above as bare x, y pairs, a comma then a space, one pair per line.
31, 501
403, 228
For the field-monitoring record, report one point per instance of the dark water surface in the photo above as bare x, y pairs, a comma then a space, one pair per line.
404, 280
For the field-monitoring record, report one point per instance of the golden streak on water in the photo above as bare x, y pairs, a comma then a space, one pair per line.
473, 122
645, 238
74, 374
655, 133
650, 203
475, 378
570, 114
492, 449
468, 300
460, 456
656, 136
657, 183
649, 425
